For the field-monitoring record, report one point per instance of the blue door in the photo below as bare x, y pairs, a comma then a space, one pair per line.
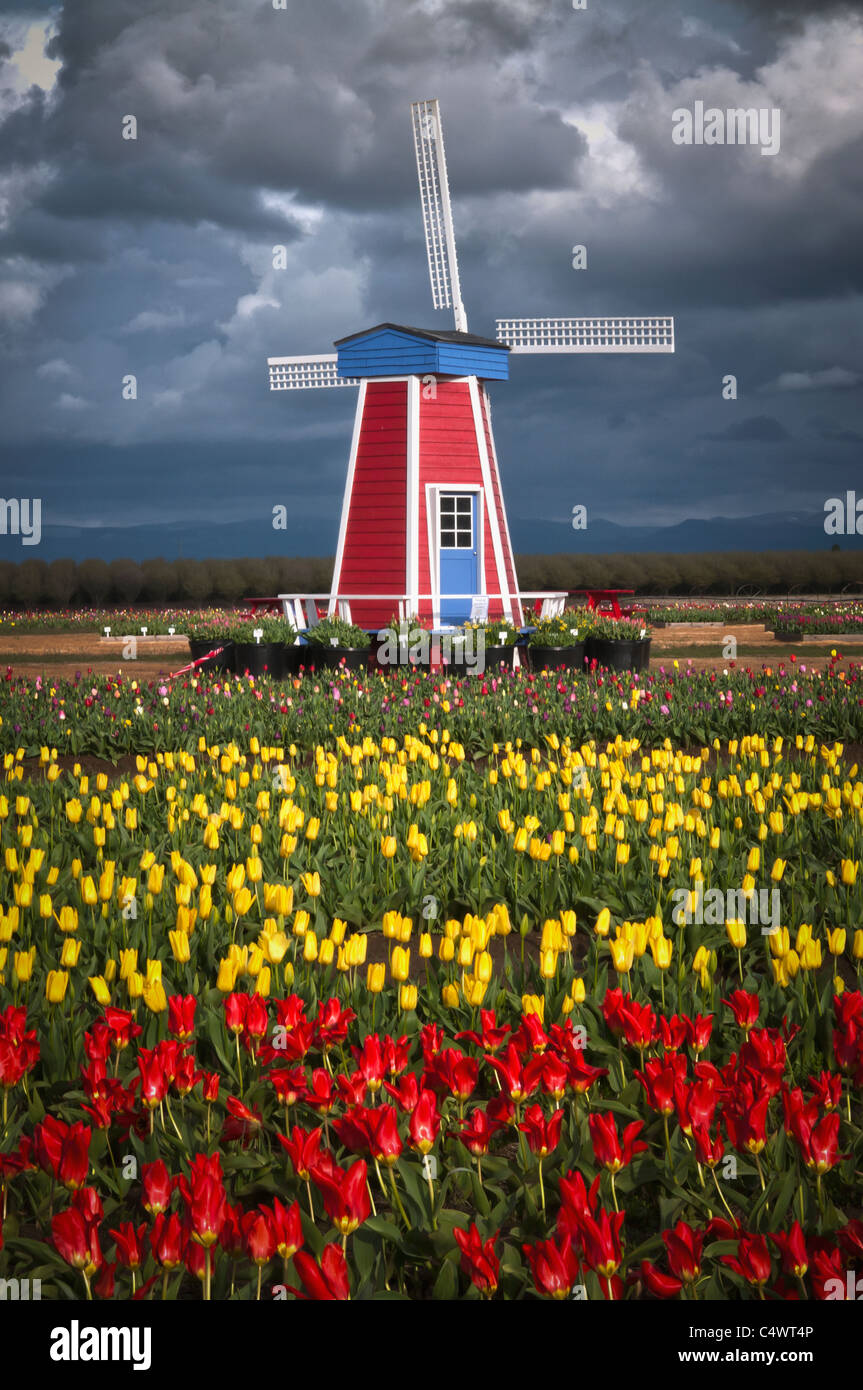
458, 554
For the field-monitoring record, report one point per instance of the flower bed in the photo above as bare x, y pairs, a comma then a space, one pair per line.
216, 1082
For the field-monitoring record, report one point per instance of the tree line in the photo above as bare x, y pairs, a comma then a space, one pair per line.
35, 583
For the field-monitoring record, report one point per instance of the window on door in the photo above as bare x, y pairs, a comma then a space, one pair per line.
456, 521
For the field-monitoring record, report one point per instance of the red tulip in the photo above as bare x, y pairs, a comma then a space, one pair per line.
287, 1228
406, 1093
241, 1122
384, 1140
478, 1259
259, 1237
210, 1088
582, 1076
745, 1008
553, 1266
659, 1284
542, 1135
154, 1082
289, 1084
181, 1016
708, 1150
659, 1080
396, 1055
452, 1073
345, 1195
698, 1031
236, 1008
130, 1244
187, 1076
752, 1261
509, 1069
638, 1022
166, 1241
332, 1023
205, 1198
320, 1094
302, 1149
370, 1061
746, 1128
327, 1281
122, 1027
827, 1088
530, 1036
792, 1248
684, 1246
424, 1123
607, 1147
600, 1241
76, 1240
492, 1036
476, 1133
824, 1144
158, 1187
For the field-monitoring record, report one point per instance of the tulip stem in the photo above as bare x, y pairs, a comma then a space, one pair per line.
397, 1198
311, 1201
260, 1275
165, 1275
86, 1278
542, 1188
239, 1061
614, 1194
431, 1197
721, 1197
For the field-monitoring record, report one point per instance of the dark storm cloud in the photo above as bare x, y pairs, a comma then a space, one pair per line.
258, 127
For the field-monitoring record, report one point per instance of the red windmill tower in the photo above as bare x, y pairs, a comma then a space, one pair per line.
423, 513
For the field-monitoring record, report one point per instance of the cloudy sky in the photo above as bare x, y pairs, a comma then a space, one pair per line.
259, 127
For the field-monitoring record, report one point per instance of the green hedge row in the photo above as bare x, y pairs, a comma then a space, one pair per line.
65, 583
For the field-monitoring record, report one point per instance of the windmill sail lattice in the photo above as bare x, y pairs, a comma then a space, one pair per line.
587, 335
436, 210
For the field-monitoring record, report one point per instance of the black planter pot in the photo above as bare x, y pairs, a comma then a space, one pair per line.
557, 658
495, 657
618, 655
785, 634
292, 657
258, 658
318, 658
223, 662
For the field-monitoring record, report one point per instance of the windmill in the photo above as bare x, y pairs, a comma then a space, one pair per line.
423, 511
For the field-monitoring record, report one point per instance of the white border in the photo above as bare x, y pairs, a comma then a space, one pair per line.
479, 429
346, 500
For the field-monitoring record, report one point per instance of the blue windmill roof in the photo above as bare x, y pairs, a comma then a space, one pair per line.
432, 334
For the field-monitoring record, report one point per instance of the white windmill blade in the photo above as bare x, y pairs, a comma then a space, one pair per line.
301, 373
437, 213
587, 335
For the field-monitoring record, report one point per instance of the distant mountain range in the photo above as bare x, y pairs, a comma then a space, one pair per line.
201, 540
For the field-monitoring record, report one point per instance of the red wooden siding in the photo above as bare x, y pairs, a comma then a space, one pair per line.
449, 455
375, 541
508, 560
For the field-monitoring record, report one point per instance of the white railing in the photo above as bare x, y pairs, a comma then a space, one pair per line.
301, 610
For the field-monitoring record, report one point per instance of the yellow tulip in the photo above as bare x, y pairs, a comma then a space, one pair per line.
154, 996
74, 811
483, 967
313, 828
857, 948
548, 964
577, 990
400, 964
848, 869
533, 1004
426, 945
24, 961
388, 846
312, 884
326, 950
778, 870
736, 932
449, 995
408, 998
88, 891
602, 926
100, 989
662, 949
70, 952
474, 990
179, 946
263, 982
446, 949
622, 954
836, 941
135, 985
227, 977
56, 984
376, 974
242, 901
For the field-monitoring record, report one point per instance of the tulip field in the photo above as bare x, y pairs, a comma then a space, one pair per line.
406, 987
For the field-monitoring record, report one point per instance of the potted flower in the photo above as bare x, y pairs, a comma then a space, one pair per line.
620, 644
403, 642
493, 643
257, 648
208, 637
560, 641
334, 643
